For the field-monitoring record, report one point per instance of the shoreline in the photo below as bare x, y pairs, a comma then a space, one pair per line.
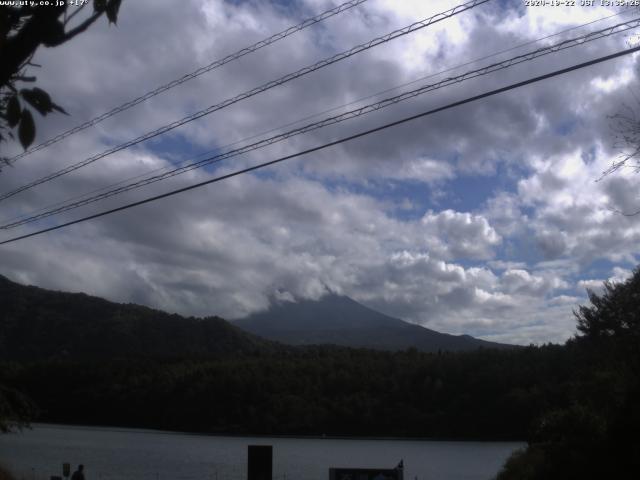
275, 436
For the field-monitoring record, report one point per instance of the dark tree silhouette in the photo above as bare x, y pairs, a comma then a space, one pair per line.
16, 409
592, 433
615, 312
626, 128
22, 30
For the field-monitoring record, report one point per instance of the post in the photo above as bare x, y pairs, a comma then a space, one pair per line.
260, 462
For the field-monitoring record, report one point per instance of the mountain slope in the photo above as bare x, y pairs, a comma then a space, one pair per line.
339, 320
38, 324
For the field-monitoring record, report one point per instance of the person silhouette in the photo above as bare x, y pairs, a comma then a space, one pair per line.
78, 474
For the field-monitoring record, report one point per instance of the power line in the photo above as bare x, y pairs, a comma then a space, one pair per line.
274, 83
563, 45
334, 143
196, 73
309, 117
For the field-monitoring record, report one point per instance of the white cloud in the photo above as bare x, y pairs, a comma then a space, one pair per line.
463, 235
498, 269
423, 170
522, 282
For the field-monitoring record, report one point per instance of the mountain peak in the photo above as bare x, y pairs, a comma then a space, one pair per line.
340, 320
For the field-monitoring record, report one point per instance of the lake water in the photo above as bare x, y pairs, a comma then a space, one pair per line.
128, 454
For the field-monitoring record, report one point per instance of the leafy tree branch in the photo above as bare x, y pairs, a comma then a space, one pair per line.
22, 31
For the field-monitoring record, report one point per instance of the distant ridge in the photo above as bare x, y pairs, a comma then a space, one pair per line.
340, 320
39, 324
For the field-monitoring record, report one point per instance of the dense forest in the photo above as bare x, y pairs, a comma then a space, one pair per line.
317, 390
577, 404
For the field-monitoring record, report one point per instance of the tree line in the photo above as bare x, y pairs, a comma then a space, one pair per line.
484, 394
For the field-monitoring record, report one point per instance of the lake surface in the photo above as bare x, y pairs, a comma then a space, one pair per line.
128, 454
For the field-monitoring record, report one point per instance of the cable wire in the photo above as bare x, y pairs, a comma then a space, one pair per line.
309, 117
334, 143
196, 73
315, 115
274, 83
563, 45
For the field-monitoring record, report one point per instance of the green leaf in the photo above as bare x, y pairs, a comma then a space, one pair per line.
38, 99
112, 10
41, 101
27, 129
13, 111
58, 108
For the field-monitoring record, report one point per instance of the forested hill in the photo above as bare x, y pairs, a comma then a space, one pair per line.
340, 320
39, 324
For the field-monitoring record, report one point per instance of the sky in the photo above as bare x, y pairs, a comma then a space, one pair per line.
490, 219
